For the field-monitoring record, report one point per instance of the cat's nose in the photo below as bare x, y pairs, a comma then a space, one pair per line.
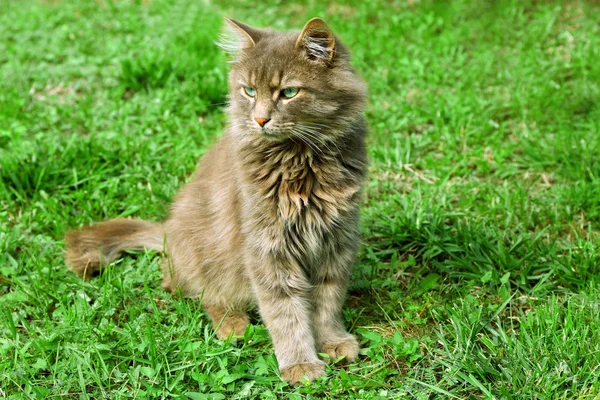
262, 121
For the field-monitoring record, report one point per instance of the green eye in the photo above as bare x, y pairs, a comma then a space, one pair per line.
290, 92
250, 91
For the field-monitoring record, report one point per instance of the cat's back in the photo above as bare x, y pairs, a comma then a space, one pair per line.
207, 207
203, 229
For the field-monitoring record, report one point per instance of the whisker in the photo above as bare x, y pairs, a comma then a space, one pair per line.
306, 140
225, 103
301, 138
240, 127
309, 142
317, 124
316, 134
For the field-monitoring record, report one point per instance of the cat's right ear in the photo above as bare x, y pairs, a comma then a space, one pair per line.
238, 37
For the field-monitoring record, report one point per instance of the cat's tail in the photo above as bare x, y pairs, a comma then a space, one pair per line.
89, 249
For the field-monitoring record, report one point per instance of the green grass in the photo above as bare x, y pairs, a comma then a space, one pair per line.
479, 273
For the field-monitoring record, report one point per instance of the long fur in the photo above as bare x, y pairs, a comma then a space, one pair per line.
94, 246
271, 217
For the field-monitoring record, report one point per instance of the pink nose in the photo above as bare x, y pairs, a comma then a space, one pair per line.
262, 121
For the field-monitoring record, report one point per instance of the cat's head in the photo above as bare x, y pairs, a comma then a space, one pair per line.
291, 84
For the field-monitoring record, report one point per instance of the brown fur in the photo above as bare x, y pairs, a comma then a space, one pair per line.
102, 243
271, 217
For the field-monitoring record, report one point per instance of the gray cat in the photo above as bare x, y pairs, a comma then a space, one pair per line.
271, 217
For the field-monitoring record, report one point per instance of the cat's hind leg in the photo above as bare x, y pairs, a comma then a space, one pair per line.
226, 321
222, 287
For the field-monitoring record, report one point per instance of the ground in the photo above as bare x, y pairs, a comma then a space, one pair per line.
478, 277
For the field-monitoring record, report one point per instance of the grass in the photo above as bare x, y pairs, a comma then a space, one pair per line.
479, 273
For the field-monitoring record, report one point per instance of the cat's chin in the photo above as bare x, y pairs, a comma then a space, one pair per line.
274, 137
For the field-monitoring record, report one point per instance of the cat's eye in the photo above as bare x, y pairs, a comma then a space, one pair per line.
250, 91
288, 93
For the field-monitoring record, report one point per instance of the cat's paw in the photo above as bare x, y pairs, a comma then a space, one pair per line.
235, 321
347, 347
297, 373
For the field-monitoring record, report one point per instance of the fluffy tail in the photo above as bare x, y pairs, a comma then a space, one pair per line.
97, 245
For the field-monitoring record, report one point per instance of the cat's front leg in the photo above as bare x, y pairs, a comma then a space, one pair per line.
283, 294
328, 296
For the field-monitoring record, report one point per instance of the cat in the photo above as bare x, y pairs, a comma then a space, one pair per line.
271, 217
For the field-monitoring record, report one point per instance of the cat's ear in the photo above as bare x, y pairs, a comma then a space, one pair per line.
317, 40
238, 37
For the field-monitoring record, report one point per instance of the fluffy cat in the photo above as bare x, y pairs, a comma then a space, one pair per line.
271, 217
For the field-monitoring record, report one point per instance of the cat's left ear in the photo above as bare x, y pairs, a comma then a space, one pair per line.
238, 37
317, 40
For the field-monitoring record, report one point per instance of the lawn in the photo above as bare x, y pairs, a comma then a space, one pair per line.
479, 273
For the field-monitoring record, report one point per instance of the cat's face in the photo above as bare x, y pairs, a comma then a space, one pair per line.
291, 85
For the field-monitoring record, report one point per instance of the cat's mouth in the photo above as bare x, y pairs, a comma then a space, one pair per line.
307, 133
274, 134
270, 132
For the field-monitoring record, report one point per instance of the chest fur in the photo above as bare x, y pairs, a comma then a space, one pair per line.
301, 201
309, 192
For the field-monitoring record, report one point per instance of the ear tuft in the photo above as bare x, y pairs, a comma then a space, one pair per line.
237, 37
317, 40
